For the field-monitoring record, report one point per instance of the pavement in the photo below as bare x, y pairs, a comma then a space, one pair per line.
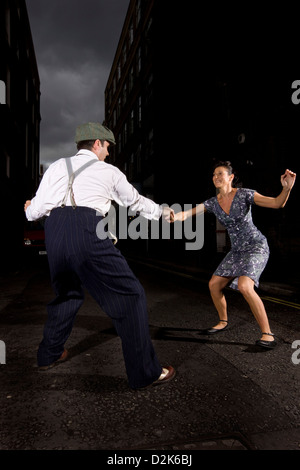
226, 395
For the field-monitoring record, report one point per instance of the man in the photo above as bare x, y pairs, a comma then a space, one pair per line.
74, 195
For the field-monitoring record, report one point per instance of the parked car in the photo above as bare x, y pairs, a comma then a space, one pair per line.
34, 238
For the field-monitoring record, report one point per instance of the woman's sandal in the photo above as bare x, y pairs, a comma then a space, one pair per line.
266, 344
212, 331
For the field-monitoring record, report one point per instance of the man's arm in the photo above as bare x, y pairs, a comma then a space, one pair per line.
126, 195
47, 196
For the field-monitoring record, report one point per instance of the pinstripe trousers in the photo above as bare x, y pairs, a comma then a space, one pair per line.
77, 259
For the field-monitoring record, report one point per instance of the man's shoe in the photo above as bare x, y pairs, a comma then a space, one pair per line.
62, 358
167, 374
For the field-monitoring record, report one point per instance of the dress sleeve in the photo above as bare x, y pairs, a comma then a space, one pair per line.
209, 204
249, 196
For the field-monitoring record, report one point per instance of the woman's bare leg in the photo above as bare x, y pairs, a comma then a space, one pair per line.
216, 286
246, 287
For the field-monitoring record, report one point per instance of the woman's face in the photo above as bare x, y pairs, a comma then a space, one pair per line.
221, 177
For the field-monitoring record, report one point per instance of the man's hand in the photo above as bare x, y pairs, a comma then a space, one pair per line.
27, 204
168, 214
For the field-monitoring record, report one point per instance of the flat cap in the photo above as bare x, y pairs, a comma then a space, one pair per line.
94, 130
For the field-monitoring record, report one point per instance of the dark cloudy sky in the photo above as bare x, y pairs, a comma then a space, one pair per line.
75, 42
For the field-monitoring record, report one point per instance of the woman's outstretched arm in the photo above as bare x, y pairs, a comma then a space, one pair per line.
181, 216
287, 181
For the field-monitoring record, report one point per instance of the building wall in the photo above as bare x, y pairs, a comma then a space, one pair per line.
20, 125
196, 111
129, 97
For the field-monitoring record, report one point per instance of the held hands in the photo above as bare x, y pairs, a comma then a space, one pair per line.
168, 214
288, 179
180, 216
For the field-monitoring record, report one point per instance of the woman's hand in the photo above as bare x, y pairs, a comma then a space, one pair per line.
288, 179
180, 216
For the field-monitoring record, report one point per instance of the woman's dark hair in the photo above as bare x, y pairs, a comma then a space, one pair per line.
226, 165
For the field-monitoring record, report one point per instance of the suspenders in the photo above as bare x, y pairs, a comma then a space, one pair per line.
72, 176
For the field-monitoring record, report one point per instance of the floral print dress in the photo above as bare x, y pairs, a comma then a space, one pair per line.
249, 252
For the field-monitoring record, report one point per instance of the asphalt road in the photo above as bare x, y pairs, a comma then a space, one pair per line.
227, 395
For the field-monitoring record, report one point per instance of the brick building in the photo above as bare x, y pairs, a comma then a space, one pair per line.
176, 108
19, 124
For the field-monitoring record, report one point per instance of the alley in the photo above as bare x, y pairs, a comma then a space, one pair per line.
227, 394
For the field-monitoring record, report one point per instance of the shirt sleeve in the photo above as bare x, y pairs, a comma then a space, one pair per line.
126, 195
47, 196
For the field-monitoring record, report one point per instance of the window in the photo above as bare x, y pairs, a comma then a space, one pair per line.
119, 143
140, 111
139, 61
139, 159
124, 94
8, 87
124, 53
150, 146
27, 90
131, 79
125, 133
131, 129
138, 11
7, 21
119, 107
131, 167
26, 145
33, 161
149, 96
7, 166
131, 34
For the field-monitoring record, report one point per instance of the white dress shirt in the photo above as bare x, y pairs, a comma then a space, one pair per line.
96, 187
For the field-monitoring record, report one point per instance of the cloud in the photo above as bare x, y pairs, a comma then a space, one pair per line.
70, 98
71, 95
75, 42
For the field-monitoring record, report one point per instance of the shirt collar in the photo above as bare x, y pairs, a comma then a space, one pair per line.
87, 153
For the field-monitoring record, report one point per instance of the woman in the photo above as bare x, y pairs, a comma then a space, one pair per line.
249, 253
